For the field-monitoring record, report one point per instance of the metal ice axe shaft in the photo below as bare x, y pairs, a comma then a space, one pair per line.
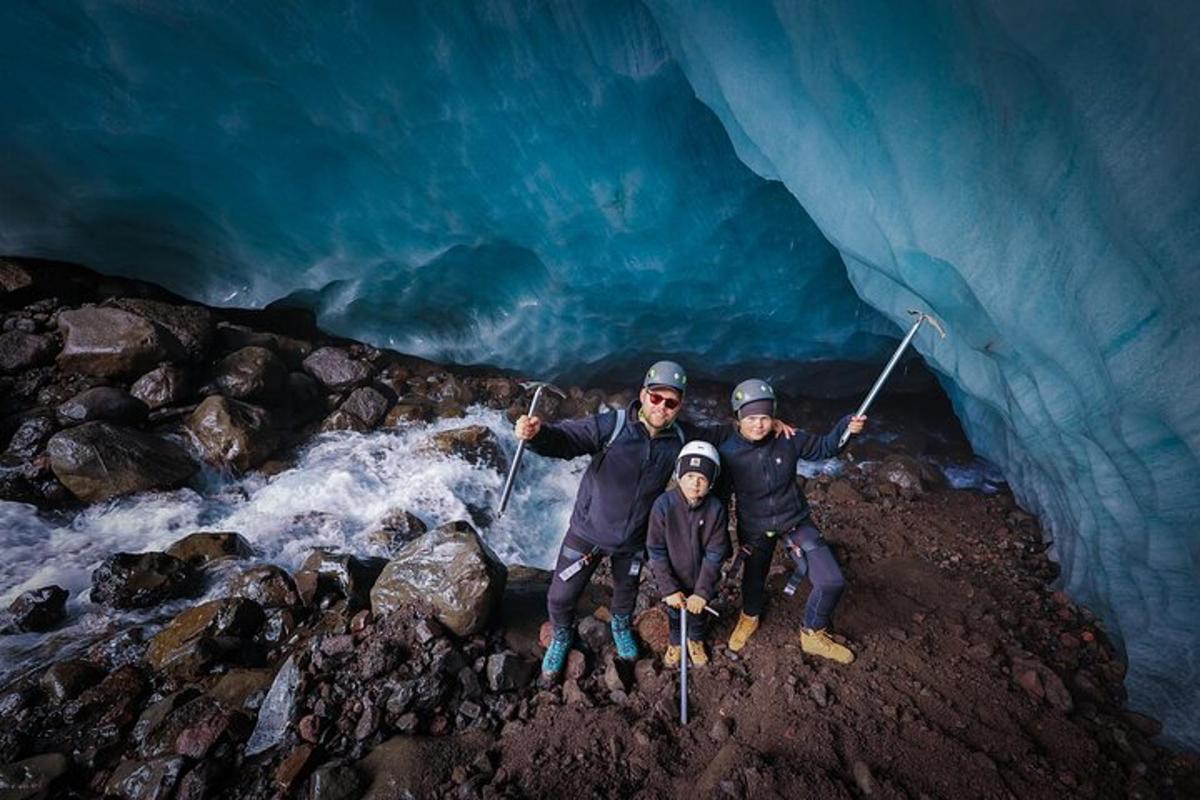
516, 462
883, 376
683, 660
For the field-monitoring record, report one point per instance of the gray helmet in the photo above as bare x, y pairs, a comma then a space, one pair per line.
666, 373
750, 391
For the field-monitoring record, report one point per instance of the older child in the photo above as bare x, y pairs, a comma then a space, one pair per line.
688, 538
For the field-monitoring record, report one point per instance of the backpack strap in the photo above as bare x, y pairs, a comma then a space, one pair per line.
616, 431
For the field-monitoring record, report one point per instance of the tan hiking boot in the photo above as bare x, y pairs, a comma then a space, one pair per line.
746, 627
818, 643
696, 653
672, 656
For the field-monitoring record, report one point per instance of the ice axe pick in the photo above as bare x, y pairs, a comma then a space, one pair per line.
538, 387
883, 376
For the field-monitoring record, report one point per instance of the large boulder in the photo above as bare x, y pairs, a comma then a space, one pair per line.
266, 584
449, 569
190, 326
205, 634
37, 610
326, 573
336, 370
163, 386
110, 343
474, 443
367, 404
231, 432
102, 404
20, 350
252, 373
292, 351
141, 580
202, 547
98, 461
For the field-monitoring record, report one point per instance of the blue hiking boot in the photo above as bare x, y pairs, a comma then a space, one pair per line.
622, 633
556, 654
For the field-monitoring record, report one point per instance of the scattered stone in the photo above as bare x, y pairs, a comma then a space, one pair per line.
200, 636
292, 768
819, 692
654, 629
618, 675
507, 671
335, 782
21, 351
200, 548
253, 374
191, 327
234, 433
32, 778
37, 610
863, 777
242, 689
573, 695
577, 665
145, 780
275, 714
719, 732
32, 434
367, 404
110, 343
141, 580
451, 569
342, 420
266, 584
163, 386
103, 404
475, 444
336, 370
67, 679
326, 572
309, 728
98, 461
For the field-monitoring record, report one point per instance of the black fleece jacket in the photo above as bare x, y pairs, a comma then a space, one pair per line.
687, 544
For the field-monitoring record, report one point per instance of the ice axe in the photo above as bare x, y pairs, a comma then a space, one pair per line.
883, 376
537, 387
683, 660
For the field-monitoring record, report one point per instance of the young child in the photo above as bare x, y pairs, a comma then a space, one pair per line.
688, 539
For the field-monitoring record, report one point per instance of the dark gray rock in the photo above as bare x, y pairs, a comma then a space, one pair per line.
336, 370
110, 343
38, 610
32, 778
507, 671
98, 461
191, 327
20, 350
163, 386
367, 404
102, 404
230, 432
326, 573
266, 584
32, 434
203, 546
474, 444
254, 374
141, 580
67, 679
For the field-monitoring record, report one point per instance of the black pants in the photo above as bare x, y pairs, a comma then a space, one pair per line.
696, 625
564, 595
823, 570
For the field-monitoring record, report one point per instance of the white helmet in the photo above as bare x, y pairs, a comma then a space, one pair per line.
695, 450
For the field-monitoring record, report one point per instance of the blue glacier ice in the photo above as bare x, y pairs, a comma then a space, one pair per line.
544, 185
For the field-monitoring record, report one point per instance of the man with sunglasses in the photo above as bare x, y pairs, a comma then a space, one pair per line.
633, 454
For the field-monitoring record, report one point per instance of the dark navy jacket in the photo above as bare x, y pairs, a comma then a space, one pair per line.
622, 482
763, 474
686, 544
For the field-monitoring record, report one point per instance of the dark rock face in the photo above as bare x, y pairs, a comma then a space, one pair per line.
191, 327
110, 343
268, 585
326, 573
67, 679
449, 568
38, 610
98, 461
201, 547
146, 780
209, 633
33, 778
162, 386
232, 432
292, 351
32, 434
336, 370
367, 404
508, 671
20, 350
141, 580
253, 374
102, 404
397, 529
303, 401
342, 420
474, 444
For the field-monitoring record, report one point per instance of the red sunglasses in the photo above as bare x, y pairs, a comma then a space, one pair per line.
661, 399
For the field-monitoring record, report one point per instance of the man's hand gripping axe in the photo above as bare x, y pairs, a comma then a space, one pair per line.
538, 387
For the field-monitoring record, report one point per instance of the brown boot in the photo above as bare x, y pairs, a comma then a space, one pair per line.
672, 656
696, 653
746, 627
818, 643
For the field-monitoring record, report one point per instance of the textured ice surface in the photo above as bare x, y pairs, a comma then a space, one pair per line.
545, 185
1030, 173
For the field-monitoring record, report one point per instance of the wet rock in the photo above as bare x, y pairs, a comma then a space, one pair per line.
326, 572
21, 351
208, 727
36, 610
33, 778
266, 584
253, 374
367, 404
145, 780
190, 326
277, 709
141, 580
336, 370
232, 432
202, 547
408, 410
147, 732
397, 529
292, 768
163, 386
334, 782
242, 689
342, 420
449, 568
234, 337
32, 434
102, 403
66, 680
303, 401
507, 671
14, 278
98, 461
192, 640
110, 343
475, 444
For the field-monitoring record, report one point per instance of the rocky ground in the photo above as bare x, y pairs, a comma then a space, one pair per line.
413, 676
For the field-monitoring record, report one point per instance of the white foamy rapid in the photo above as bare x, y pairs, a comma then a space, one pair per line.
340, 488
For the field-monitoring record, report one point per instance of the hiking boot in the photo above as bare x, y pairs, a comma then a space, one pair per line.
672, 656
622, 634
696, 653
746, 627
818, 643
556, 654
